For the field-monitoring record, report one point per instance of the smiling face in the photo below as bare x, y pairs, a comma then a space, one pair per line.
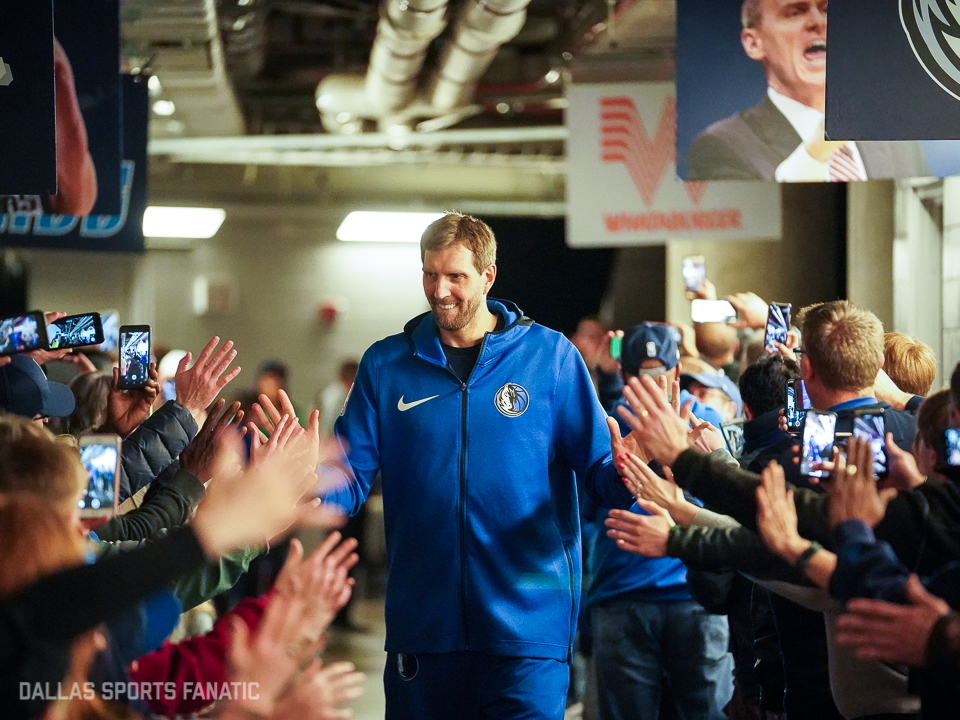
790, 40
453, 286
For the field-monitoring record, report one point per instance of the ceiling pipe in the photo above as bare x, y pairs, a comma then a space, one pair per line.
405, 31
482, 27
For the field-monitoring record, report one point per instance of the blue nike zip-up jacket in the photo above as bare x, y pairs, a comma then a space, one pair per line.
479, 485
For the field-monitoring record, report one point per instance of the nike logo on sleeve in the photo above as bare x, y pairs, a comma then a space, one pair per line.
403, 406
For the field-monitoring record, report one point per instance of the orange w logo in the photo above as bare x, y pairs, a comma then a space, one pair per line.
624, 139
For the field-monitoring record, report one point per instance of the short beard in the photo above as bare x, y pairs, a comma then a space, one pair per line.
467, 314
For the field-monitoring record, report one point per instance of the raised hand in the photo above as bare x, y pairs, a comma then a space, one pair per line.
656, 426
902, 470
199, 457
197, 386
319, 691
126, 409
751, 310
645, 484
644, 535
45, 356
777, 515
854, 494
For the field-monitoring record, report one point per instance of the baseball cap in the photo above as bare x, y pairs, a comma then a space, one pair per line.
649, 341
25, 391
715, 380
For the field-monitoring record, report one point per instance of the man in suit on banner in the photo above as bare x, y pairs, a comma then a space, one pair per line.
782, 137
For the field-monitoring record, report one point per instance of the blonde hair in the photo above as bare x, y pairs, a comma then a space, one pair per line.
457, 229
909, 362
844, 343
34, 463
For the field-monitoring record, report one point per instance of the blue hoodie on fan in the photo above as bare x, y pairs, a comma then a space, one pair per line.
479, 485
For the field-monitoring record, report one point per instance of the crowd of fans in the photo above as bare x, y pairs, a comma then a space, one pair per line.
737, 586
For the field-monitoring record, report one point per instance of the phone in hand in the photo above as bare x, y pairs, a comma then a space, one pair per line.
100, 456
733, 435
793, 407
819, 435
694, 273
712, 311
616, 347
778, 325
75, 331
952, 455
868, 424
134, 356
23, 333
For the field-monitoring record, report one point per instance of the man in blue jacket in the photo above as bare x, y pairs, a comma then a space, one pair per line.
480, 423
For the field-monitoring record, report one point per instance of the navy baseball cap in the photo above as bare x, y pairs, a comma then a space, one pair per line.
718, 381
25, 391
649, 341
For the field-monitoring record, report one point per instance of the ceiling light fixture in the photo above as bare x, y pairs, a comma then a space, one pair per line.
182, 222
392, 227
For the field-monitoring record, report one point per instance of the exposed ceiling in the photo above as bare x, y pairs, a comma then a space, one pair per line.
250, 68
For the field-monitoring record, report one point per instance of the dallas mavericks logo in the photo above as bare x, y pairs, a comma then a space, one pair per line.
933, 28
512, 400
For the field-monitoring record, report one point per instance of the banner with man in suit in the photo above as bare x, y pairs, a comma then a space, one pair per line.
751, 97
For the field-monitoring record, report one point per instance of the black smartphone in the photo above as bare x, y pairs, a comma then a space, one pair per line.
23, 333
819, 431
134, 356
75, 331
778, 324
100, 456
868, 424
733, 435
793, 407
694, 273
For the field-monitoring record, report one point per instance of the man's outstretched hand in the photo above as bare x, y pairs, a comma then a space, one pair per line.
657, 427
199, 385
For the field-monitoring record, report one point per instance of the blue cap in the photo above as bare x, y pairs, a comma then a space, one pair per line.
649, 341
25, 391
718, 381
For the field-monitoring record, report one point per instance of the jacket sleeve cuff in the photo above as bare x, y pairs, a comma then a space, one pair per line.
685, 466
852, 531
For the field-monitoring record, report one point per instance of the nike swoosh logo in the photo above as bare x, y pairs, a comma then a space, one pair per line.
403, 407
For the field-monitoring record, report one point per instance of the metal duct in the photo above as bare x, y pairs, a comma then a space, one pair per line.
483, 26
405, 31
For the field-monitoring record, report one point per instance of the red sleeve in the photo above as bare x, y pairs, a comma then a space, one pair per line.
178, 673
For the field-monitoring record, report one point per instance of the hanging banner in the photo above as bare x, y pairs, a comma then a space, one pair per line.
621, 176
28, 159
751, 86
119, 232
901, 80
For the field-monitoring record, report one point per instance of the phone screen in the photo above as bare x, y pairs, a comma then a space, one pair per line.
710, 311
694, 273
100, 462
871, 427
22, 333
953, 447
792, 412
111, 331
733, 434
75, 331
134, 357
778, 323
818, 437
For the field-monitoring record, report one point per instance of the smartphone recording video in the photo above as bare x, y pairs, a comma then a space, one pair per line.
694, 273
712, 311
733, 435
134, 356
869, 425
778, 324
75, 331
100, 456
793, 411
953, 447
23, 333
819, 429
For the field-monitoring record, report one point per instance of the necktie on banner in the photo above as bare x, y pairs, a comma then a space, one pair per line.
843, 166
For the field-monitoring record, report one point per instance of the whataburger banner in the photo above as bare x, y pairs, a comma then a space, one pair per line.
622, 187
893, 73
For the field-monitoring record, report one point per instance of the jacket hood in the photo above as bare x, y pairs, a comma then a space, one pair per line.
423, 335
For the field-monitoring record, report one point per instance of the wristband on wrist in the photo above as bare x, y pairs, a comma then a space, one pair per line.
806, 556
